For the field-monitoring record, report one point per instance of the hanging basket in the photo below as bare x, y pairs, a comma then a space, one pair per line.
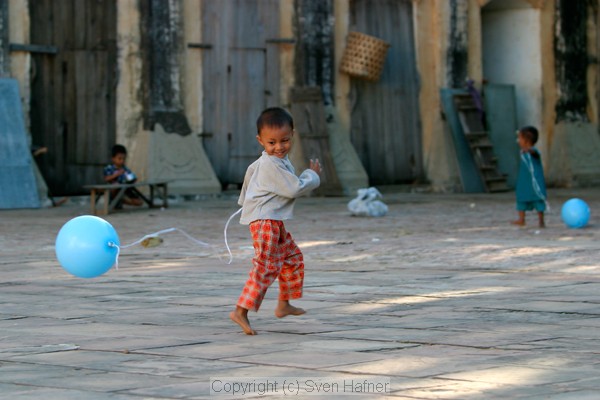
364, 56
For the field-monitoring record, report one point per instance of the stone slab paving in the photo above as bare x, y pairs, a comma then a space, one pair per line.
442, 299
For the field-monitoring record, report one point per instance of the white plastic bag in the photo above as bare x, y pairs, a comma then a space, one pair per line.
367, 205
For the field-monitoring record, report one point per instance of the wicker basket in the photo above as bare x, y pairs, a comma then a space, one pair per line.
364, 56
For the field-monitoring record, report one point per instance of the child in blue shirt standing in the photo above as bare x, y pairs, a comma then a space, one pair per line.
531, 185
267, 199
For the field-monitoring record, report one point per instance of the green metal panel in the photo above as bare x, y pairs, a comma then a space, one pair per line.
501, 115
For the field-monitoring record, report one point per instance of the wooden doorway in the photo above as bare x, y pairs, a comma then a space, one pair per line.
73, 89
240, 78
385, 126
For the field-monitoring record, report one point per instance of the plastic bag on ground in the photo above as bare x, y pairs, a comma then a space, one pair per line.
366, 204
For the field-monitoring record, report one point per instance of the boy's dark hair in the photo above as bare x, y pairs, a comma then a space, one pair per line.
118, 149
530, 133
274, 117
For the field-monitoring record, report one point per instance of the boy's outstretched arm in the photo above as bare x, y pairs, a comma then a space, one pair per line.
284, 183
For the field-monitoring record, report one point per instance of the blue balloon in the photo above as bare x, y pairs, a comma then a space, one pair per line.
575, 213
86, 246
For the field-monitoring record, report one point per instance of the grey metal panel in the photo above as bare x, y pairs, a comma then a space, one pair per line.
386, 126
18, 188
73, 99
245, 108
501, 118
469, 173
240, 78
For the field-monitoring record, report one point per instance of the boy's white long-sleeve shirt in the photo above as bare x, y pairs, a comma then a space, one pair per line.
270, 188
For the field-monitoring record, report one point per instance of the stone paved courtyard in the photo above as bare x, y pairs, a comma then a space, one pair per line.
442, 299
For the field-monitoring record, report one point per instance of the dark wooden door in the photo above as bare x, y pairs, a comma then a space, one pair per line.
73, 91
385, 123
240, 79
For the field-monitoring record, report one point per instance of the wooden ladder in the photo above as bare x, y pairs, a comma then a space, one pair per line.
482, 148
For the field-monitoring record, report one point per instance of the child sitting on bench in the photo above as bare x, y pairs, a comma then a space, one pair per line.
117, 172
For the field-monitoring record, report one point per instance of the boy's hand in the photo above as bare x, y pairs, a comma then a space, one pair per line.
315, 165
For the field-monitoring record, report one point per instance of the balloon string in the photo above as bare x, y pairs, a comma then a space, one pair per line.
155, 234
225, 234
113, 244
148, 236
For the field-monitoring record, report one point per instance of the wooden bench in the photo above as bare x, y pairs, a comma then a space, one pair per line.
97, 190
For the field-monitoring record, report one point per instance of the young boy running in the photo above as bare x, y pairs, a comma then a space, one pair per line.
267, 199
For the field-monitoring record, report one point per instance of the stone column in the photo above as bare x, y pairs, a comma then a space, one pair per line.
157, 127
4, 40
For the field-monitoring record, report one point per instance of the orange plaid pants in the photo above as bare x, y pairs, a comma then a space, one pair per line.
275, 256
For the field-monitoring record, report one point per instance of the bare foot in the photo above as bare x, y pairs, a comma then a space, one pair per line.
243, 322
285, 309
132, 202
60, 202
518, 222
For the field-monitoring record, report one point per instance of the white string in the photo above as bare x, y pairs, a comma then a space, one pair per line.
149, 236
526, 157
155, 234
113, 244
225, 234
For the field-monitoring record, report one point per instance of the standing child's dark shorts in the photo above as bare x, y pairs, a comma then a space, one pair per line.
538, 205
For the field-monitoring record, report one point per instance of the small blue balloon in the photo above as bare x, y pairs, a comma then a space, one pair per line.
86, 246
575, 213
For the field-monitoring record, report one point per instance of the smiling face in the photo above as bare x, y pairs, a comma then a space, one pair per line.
276, 140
